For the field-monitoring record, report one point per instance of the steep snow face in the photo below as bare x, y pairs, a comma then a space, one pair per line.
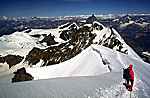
99, 24
69, 26
109, 37
95, 60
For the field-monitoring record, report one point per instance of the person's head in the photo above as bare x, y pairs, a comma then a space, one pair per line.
130, 66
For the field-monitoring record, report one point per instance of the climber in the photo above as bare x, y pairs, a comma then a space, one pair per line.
128, 75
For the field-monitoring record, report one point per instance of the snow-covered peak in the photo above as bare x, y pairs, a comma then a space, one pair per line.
109, 37
69, 26
95, 23
64, 25
126, 24
98, 23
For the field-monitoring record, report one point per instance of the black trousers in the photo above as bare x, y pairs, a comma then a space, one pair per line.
131, 81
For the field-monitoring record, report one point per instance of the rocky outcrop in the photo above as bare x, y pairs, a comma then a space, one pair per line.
113, 42
22, 75
49, 40
11, 60
97, 26
64, 26
33, 56
64, 35
2, 59
28, 31
36, 35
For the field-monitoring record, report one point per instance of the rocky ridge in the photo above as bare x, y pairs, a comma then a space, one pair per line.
77, 38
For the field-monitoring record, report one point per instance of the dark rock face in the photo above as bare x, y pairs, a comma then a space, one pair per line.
112, 42
2, 59
11, 60
49, 40
91, 19
36, 35
28, 31
64, 26
34, 56
146, 57
64, 35
21, 75
97, 27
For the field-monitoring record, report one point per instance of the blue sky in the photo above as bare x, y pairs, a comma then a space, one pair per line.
71, 7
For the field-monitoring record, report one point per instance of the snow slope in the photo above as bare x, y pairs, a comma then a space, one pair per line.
20, 43
17, 43
77, 87
84, 76
87, 63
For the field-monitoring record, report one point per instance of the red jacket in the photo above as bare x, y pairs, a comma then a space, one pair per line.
131, 72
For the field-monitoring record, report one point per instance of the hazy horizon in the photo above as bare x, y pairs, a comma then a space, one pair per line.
49, 8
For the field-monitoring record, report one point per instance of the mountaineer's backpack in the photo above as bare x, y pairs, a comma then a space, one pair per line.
126, 74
